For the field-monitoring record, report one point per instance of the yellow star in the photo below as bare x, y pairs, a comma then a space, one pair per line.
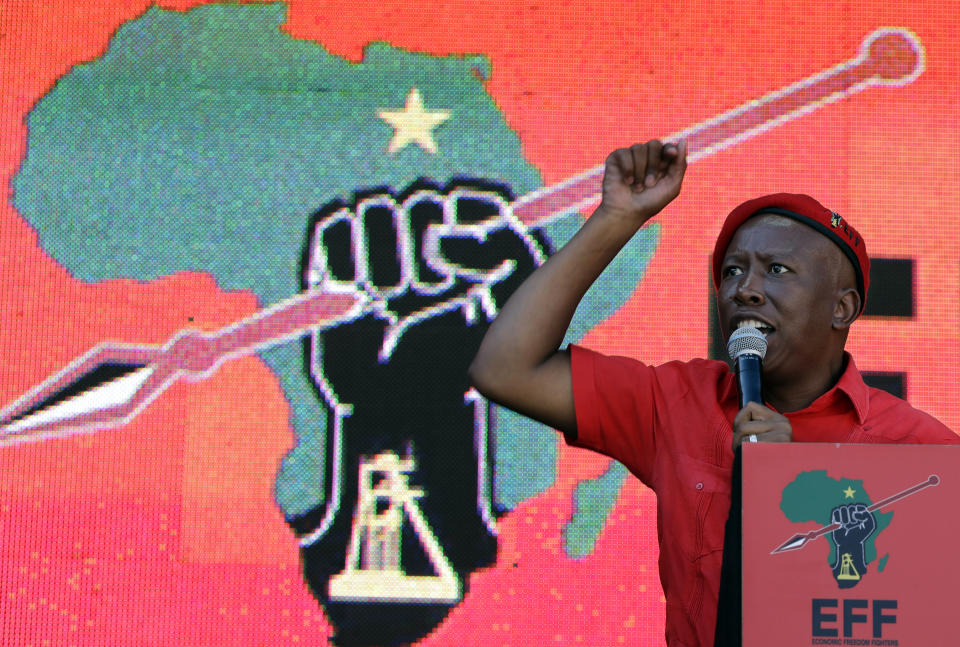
413, 124
849, 492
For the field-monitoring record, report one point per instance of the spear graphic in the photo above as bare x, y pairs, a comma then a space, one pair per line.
800, 540
109, 385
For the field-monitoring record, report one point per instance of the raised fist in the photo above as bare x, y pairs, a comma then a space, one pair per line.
419, 256
857, 524
433, 267
641, 180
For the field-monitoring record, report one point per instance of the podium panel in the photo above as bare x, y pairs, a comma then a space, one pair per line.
850, 544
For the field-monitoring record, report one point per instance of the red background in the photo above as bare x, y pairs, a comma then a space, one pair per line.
778, 589
98, 550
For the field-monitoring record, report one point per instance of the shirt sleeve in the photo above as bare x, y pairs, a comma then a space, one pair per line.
894, 420
930, 431
927, 430
614, 399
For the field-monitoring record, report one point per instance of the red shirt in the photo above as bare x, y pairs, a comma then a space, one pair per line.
671, 426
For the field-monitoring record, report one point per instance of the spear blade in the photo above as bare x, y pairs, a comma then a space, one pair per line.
800, 540
113, 382
794, 543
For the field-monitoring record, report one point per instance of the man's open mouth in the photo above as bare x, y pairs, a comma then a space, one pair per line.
765, 328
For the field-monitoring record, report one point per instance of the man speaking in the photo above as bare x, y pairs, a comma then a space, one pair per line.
784, 265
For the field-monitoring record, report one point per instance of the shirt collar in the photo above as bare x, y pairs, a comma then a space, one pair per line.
851, 385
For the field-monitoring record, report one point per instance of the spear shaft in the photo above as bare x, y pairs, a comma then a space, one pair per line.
800, 540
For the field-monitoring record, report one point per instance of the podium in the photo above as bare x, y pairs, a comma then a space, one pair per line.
850, 544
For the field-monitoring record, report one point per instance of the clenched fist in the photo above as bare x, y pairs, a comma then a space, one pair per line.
857, 524
639, 181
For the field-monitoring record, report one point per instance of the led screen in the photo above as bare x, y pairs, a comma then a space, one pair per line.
247, 252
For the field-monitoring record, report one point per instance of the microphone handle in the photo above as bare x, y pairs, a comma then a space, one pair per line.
749, 378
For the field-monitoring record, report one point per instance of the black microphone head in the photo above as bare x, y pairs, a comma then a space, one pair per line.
747, 340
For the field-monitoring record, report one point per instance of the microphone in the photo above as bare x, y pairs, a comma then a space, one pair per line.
747, 347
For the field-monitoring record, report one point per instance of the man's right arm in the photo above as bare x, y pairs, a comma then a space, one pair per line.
519, 364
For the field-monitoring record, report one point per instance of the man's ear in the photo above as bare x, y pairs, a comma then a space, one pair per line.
847, 308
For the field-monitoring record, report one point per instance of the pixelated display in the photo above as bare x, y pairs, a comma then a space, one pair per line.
248, 251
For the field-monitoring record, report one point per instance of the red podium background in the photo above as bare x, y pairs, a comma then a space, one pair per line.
792, 598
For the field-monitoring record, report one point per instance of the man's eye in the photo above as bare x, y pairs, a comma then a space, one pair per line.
777, 268
731, 270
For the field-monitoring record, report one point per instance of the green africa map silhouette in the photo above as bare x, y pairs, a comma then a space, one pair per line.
811, 497
202, 141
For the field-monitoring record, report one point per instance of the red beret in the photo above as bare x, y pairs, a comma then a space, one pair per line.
805, 209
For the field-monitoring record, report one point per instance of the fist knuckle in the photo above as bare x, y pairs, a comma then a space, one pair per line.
426, 212
477, 206
382, 242
332, 257
366, 246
